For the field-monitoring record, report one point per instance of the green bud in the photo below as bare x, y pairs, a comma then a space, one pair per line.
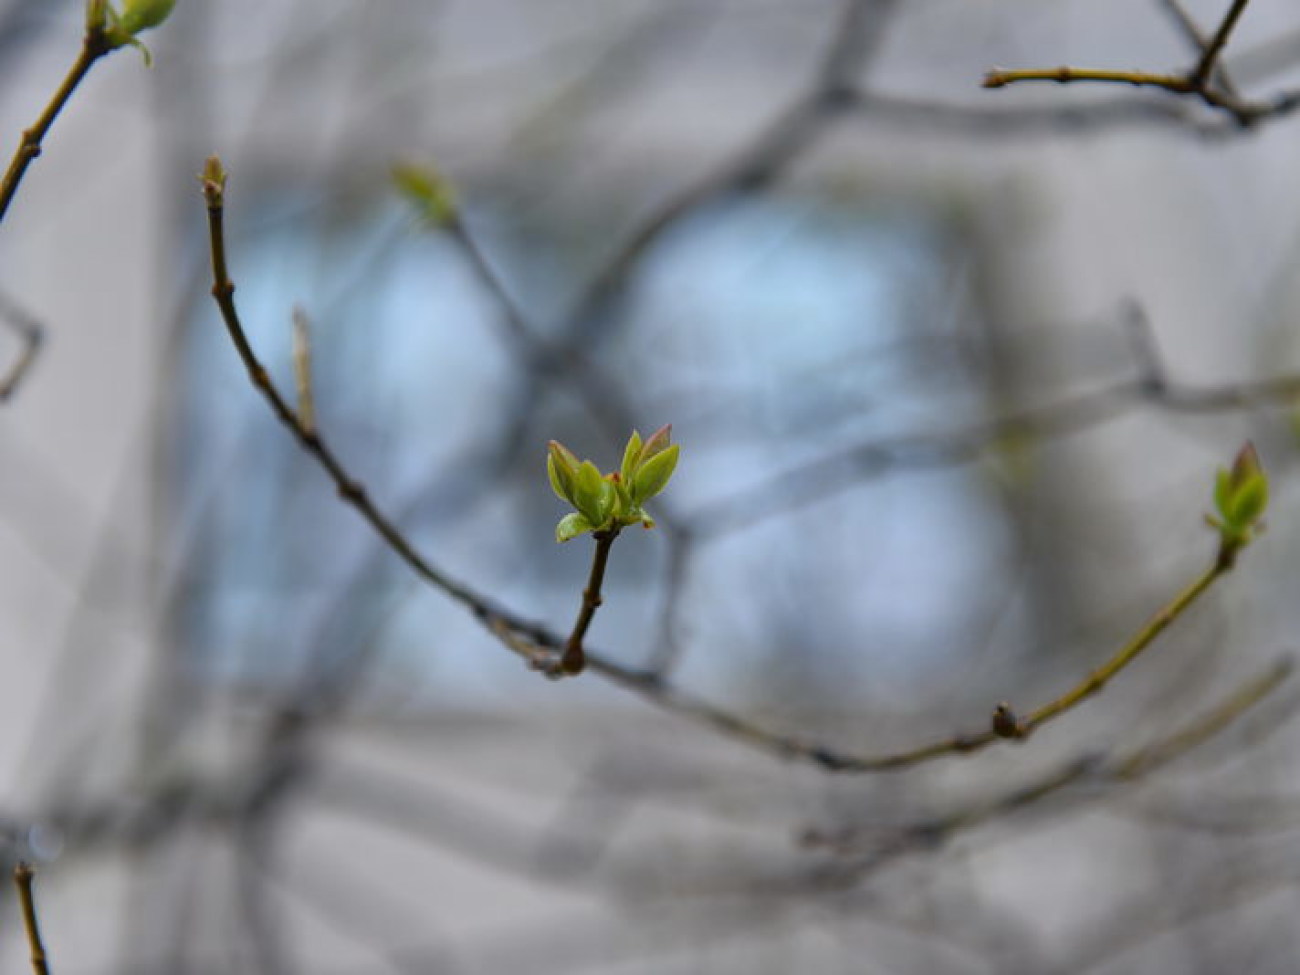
1241, 493
138, 15
1241, 497
213, 179
1246, 465
611, 502
1222, 491
1249, 502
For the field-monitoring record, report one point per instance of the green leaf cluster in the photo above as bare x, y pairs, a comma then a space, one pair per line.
611, 502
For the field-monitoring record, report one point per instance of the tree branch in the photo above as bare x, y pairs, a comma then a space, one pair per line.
1201, 73
1196, 81
93, 47
573, 661
23, 875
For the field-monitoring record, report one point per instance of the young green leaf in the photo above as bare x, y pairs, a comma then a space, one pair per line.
561, 467
1248, 503
631, 457
138, 15
121, 29
588, 491
571, 526
653, 475
658, 442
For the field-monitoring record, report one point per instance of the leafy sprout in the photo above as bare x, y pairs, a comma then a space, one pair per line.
1240, 498
611, 502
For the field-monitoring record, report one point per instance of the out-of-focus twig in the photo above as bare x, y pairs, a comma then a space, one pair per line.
788, 136
32, 334
1099, 770
823, 478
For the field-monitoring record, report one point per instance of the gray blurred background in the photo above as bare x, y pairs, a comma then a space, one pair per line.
952, 370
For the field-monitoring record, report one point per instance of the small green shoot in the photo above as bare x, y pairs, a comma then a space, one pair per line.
1240, 500
610, 502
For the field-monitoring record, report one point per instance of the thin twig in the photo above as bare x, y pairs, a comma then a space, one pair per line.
93, 47
1201, 73
1245, 113
1200, 42
1156, 625
23, 875
349, 489
1111, 768
1065, 75
573, 660
1195, 81
1003, 724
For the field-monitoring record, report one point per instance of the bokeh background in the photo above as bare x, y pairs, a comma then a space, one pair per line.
952, 370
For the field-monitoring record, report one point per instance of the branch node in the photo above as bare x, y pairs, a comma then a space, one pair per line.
1006, 724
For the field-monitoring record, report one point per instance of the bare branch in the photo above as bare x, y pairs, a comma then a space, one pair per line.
23, 875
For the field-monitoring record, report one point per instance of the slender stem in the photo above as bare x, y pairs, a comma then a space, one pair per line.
23, 874
93, 47
574, 660
1004, 724
1065, 75
352, 491
1201, 73
1195, 82
1144, 637
1102, 770
1193, 34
